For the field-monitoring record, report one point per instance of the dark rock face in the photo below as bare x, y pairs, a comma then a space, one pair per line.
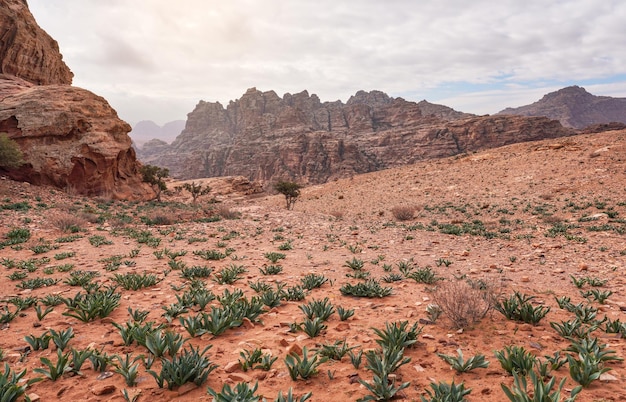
575, 107
70, 137
263, 137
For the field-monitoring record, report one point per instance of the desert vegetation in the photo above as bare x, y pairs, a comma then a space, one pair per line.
513, 297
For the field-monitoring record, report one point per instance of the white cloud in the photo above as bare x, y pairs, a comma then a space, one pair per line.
153, 58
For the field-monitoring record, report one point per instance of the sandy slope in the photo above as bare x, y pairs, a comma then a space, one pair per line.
511, 197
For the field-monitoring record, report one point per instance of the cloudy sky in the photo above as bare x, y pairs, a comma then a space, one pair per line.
155, 59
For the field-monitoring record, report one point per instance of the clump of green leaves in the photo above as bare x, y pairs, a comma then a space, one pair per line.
447, 392
312, 281
515, 359
518, 307
135, 281
305, 366
318, 308
461, 365
540, 391
189, 366
369, 288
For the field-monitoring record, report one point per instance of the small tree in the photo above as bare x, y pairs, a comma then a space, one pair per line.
196, 190
290, 190
154, 176
10, 153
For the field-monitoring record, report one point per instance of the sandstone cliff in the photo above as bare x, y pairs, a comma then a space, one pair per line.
264, 137
26, 50
70, 137
575, 107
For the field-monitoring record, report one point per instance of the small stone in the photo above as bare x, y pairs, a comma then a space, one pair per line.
342, 326
294, 349
607, 377
583, 267
247, 323
232, 366
186, 388
104, 390
239, 377
419, 368
525, 279
432, 348
283, 342
104, 375
34, 397
428, 336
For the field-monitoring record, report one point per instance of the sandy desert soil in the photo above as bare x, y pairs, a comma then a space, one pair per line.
521, 218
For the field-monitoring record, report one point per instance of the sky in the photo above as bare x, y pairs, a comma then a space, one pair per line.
156, 59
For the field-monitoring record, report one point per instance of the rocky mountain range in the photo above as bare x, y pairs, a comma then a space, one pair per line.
147, 130
70, 137
265, 137
575, 107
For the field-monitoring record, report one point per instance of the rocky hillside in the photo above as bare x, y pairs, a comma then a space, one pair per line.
575, 107
70, 137
263, 137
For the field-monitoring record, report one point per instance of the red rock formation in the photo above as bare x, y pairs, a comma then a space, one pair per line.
264, 137
26, 50
70, 137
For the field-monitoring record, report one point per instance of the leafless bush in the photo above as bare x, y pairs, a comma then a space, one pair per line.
227, 213
465, 303
68, 223
158, 219
403, 212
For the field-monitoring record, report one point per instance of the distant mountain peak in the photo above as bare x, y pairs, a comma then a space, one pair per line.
574, 107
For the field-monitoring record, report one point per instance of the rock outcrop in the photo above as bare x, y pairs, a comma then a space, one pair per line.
575, 107
70, 137
264, 137
26, 50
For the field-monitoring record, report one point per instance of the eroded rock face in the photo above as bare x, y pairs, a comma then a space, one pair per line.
70, 137
26, 50
264, 137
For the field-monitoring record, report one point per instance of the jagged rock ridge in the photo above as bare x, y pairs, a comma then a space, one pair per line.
264, 137
70, 137
575, 107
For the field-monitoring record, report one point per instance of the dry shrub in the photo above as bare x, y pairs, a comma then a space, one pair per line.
90, 217
68, 223
158, 219
227, 213
403, 212
551, 219
465, 303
